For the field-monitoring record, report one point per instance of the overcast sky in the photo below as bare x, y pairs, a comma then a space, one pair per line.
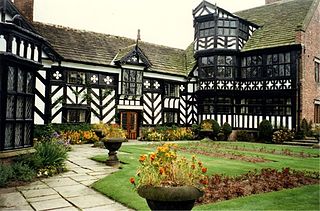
165, 22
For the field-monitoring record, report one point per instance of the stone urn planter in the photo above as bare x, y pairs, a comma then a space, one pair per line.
112, 145
170, 198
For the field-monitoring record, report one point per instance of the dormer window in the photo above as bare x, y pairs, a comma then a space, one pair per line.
131, 82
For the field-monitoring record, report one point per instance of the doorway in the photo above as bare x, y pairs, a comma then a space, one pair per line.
129, 122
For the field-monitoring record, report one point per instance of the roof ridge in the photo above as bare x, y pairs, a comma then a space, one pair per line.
79, 30
100, 33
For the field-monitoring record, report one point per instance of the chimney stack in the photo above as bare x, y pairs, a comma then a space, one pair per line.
271, 1
25, 7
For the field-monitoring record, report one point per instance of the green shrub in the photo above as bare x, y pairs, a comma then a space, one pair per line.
215, 128
265, 131
49, 153
227, 130
243, 135
22, 172
282, 135
196, 130
6, 174
43, 131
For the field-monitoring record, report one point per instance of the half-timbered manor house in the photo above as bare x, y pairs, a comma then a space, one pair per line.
241, 68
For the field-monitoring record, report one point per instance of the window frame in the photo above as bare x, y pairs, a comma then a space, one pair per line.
171, 90
317, 70
130, 85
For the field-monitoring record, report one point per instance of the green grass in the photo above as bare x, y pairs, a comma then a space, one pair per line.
117, 185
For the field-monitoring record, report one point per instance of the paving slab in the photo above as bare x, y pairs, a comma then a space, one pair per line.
38, 192
74, 190
81, 177
61, 181
12, 200
51, 204
16, 208
89, 182
33, 186
90, 201
44, 198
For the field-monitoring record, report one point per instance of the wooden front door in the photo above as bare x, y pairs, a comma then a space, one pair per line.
129, 122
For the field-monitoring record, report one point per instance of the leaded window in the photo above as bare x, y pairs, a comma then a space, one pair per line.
227, 27
221, 67
316, 113
317, 71
278, 65
171, 90
251, 67
19, 108
224, 105
74, 77
251, 106
206, 29
225, 66
208, 105
170, 117
131, 82
77, 115
278, 106
243, 31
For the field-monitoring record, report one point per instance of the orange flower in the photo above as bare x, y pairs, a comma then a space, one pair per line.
204, 181
193, 166
142, 158
152, 156
204, 170
132, 180
161, 170
200, 164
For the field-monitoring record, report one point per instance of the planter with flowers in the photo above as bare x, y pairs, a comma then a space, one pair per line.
169, 182
112, 136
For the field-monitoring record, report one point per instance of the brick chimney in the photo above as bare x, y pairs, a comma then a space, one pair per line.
271, 1
25, 7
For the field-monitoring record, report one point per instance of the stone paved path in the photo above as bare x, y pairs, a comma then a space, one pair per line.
67, 191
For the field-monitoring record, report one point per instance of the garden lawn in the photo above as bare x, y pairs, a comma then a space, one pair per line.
118, 187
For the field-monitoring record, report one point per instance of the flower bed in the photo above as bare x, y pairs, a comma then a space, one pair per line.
224, 188
167, 134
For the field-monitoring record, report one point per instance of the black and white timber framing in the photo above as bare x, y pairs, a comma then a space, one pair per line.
225, 83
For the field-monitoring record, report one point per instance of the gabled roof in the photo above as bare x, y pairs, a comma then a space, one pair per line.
98, 48
132, 55
278, 23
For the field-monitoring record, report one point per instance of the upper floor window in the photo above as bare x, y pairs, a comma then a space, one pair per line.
225, 66
131, 82
171, 90
221, 67
227, 27
206, 29
278, 65
251, 67
76, 77
317, 71
243, 31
